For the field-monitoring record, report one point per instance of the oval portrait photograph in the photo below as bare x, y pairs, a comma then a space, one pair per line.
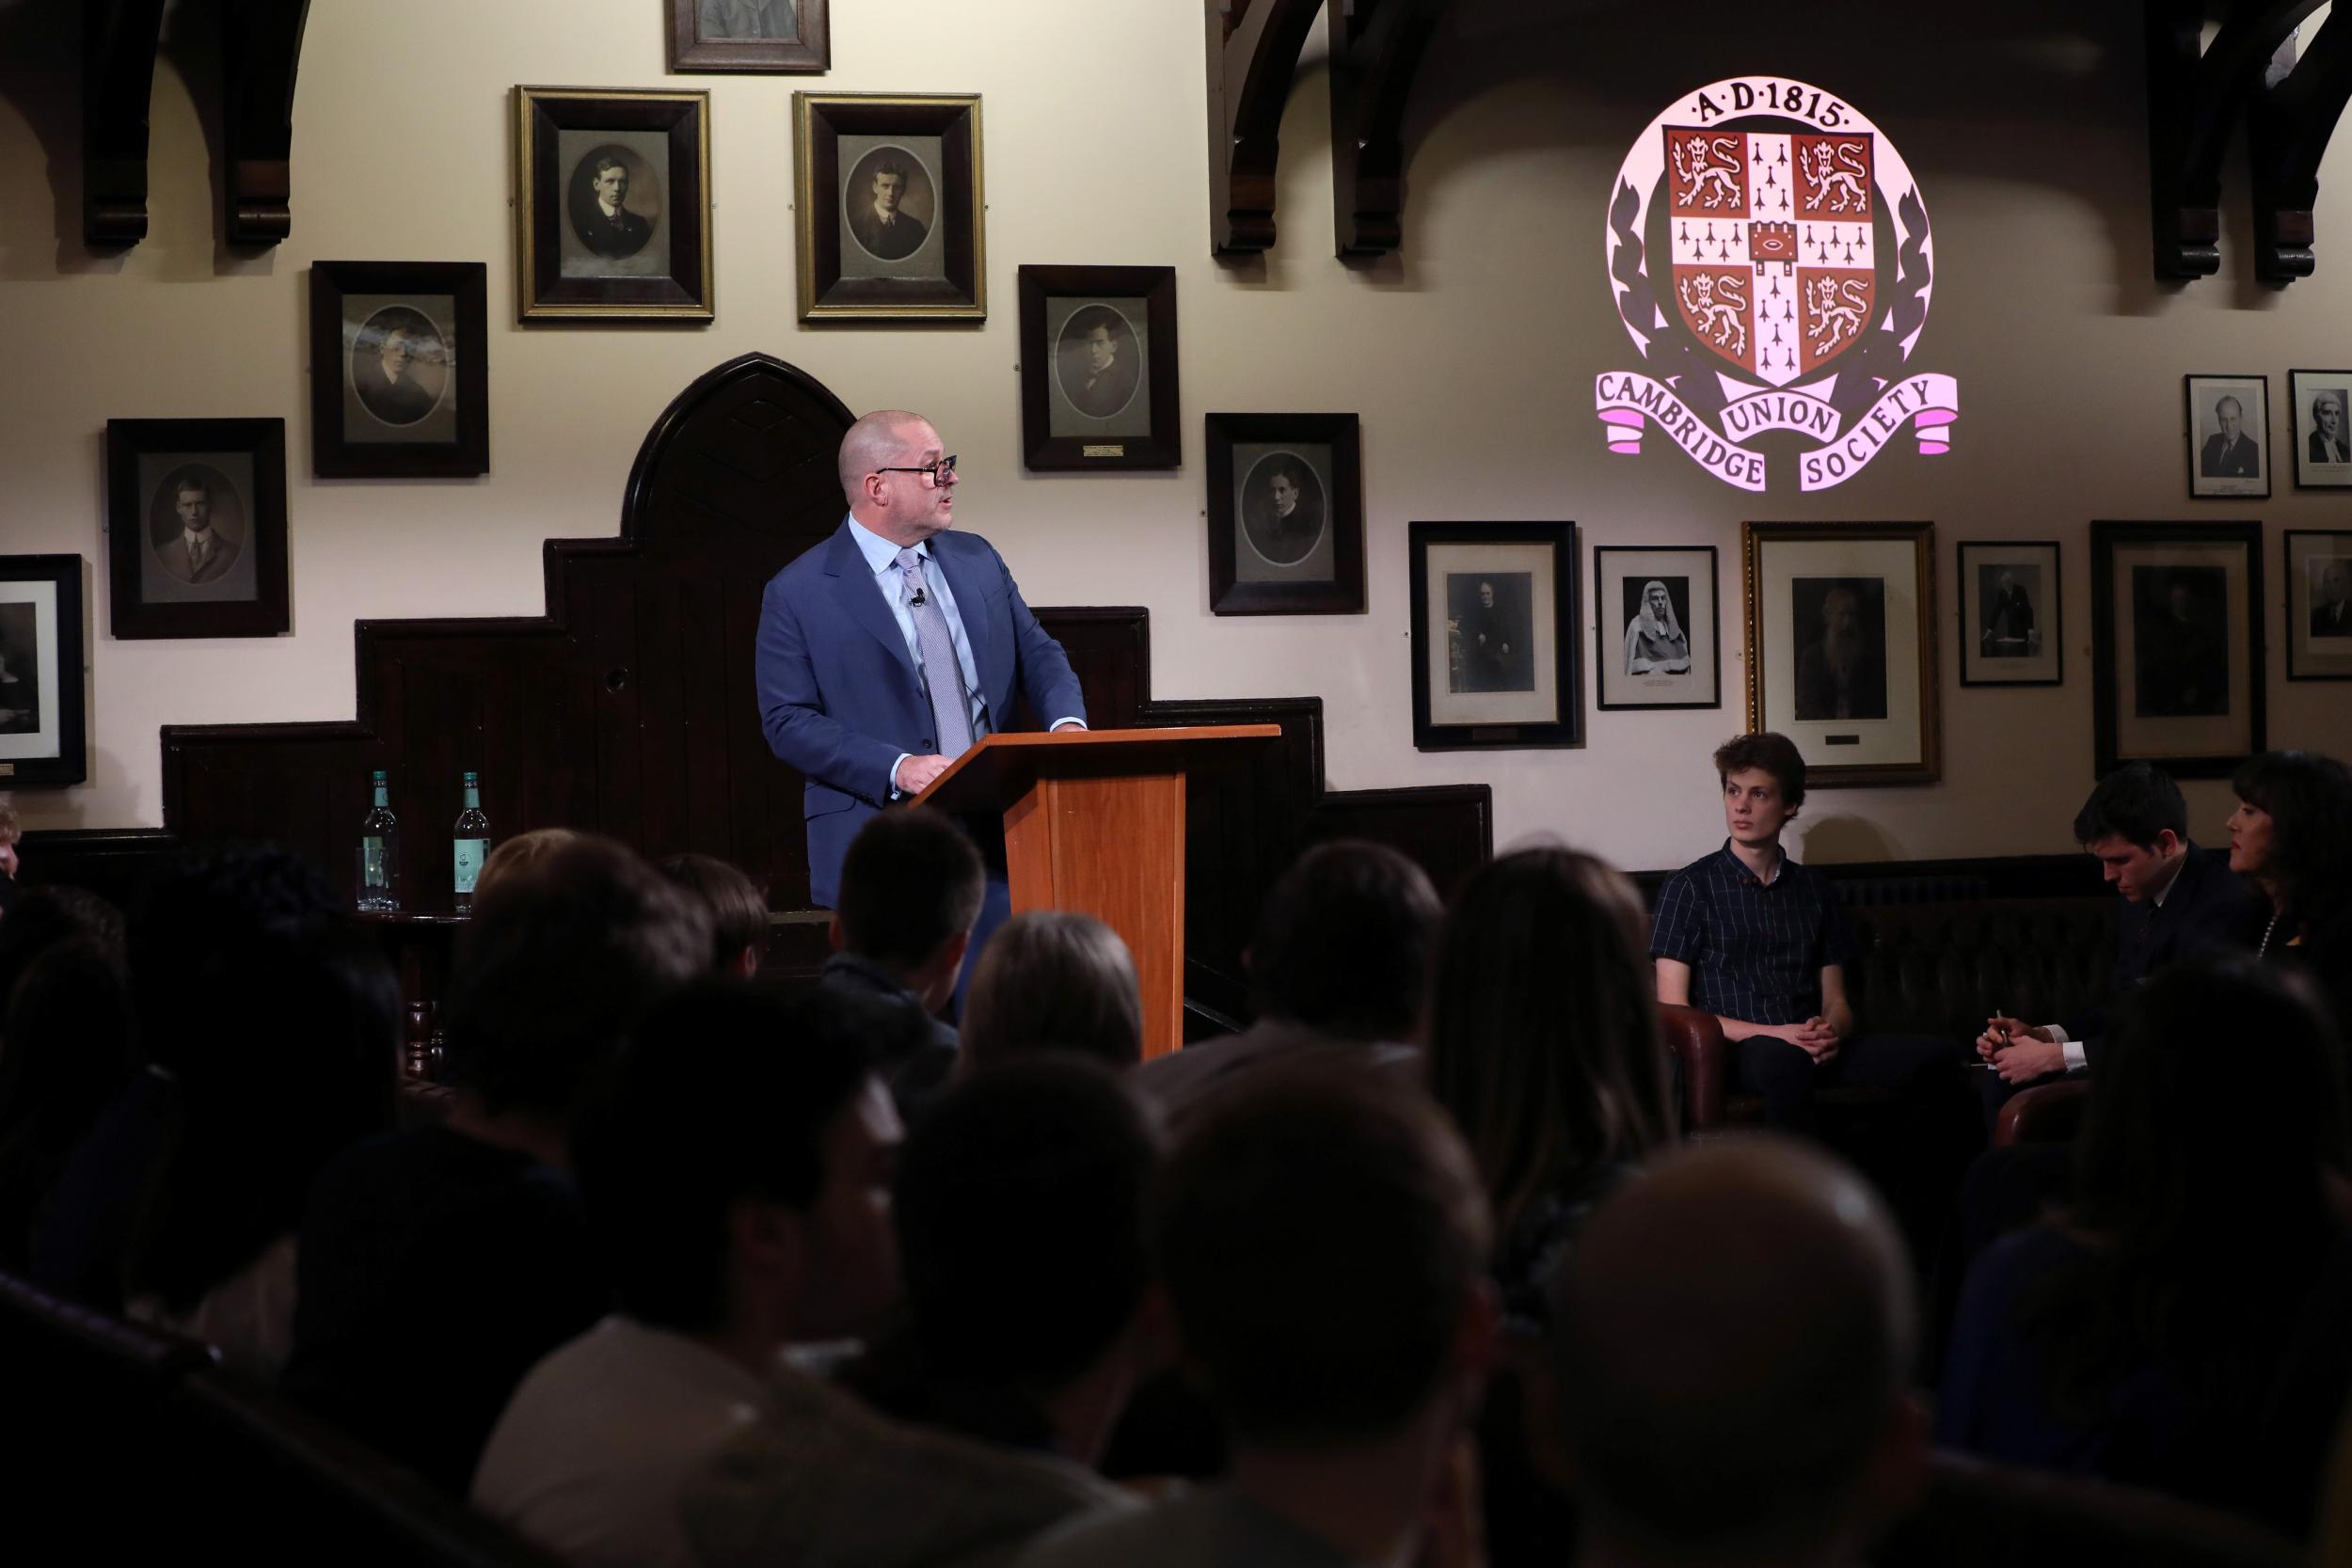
888, 203
195, 524
613, 198
398, 365
1283, 508
1097, 362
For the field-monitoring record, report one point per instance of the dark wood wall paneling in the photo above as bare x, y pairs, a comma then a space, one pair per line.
628, 709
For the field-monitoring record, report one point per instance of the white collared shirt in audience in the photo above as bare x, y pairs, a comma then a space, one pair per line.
596, 1445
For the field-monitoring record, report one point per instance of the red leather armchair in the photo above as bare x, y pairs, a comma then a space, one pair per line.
1698, 1046
2045, 1114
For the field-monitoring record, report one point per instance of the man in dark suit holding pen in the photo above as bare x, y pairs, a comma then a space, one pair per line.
2178, 900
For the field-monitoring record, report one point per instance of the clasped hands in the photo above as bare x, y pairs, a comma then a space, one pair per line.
2020, 1051
1814, 1037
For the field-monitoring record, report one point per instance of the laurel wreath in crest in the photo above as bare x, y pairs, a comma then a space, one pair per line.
1689, 368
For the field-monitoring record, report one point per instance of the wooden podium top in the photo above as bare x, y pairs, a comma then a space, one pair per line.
1003, 767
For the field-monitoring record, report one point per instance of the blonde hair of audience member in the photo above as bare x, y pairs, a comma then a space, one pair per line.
1543, 1034
1735, 1334
1051, 979
737, 910
523, 852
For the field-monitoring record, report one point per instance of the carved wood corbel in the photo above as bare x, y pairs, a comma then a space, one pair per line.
2195, 100
1253, 52
261, 45
119, 38
1377, 49
2286, 134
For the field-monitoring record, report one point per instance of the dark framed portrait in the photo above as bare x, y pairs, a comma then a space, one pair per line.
196, 526
2011, 628
1098, 368
1841, 647
2176, 641
2319, 605
1494, 619
2229, 435
888, 206
44, 725
1655, 611
781, 36
398, 377
612, 204
1286, 515
2323, 428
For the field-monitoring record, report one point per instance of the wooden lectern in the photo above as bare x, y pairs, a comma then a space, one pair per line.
1095, 821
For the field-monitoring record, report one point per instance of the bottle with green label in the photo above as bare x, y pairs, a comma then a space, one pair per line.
379, 854
474, 844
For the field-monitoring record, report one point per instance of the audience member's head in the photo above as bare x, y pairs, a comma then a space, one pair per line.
65, 1054
512, 856
1020, 1208
1324, 1241
910, 889
737, 910
1543, 1035
1342, 942
1052, 981
1735, 1332
554, 970
737, 1175
1769, 752
2292, 832
43, 917
201, 941
311, 1071
11, 830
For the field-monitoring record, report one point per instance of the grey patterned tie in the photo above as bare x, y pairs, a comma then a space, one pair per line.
952, 709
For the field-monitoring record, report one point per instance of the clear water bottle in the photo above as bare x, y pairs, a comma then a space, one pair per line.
379, 853
473, 847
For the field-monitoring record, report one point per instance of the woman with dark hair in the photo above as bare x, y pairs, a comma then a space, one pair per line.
2291, 836
2177, 1324
1542, 1045
312, 1072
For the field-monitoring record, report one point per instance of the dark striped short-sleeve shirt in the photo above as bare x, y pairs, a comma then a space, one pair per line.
1755, 950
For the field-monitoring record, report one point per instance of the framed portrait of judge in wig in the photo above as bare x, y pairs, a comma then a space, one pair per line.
1841, 647
1654, 620
399, 382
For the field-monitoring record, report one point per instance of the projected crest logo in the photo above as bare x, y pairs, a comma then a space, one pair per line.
1771, 259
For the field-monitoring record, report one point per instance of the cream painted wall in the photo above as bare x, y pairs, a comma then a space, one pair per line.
1469, 357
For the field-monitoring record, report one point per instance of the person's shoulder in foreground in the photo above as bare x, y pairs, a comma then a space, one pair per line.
1214, 1526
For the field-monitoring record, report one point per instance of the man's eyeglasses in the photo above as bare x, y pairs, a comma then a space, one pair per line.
940, 471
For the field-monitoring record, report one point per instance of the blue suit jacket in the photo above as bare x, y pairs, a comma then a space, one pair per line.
840, 698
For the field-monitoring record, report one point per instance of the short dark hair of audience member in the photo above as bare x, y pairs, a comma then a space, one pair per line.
2161, 1300
311, 1071
45, 916
1733, 1338
737, 910
190, 939
1019, 1208
910, 889
1324, 1242
65, 1055
2138, 803
1770, 753
512, 856
1342, 942
737, 1178
1052, 981
554, 969
1543, 1040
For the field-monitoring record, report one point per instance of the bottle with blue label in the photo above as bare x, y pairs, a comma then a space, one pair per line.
473, 847
379, 854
